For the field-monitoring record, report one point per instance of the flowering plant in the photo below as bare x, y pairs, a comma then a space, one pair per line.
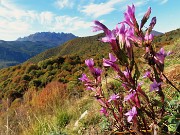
130, 108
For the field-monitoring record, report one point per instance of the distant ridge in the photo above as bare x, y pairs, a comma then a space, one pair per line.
156, 33
50, 37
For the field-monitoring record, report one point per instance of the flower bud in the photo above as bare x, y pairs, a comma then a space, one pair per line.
145, 17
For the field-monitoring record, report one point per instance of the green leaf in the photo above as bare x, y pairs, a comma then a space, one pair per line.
172, 127
166, 117
171, 119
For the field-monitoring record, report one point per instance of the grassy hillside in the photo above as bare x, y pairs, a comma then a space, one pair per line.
82, 46
168, 38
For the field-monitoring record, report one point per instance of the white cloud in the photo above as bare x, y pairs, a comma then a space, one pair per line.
97, 10
70, 24
46, 17
164, 1
17, 22
13, 21
64, 3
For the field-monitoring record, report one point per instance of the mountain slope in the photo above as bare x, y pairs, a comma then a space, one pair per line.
82, 46
16, 52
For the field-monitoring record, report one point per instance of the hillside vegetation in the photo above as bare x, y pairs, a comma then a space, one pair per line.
82, 46
44, 95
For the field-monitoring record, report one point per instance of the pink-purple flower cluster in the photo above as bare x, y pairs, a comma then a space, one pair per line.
127, 35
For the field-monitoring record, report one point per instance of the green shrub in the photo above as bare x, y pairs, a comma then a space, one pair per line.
31, 67
35, 82
26, 77
49, 67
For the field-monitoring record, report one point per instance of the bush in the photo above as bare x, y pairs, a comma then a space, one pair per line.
36, 82
31, 67
26, 77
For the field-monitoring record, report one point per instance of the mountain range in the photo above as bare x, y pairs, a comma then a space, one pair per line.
156, 33
52, 38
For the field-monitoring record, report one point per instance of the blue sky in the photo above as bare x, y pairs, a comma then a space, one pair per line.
19, 18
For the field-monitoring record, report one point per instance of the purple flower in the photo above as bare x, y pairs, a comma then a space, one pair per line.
130, 35
162, 52
147, 74
111, 62
130, 96
121, 32
129, 16
148, 12
104, 111
145, 17
99, 26
112, 58
89, 62
97, 72
131, 114
88, 83
148, 38
154, 86
127, 73
90, 88
113, 97
153, 22
160, 56
131, 12
109, 38
109, 34
84, 78
127, 20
